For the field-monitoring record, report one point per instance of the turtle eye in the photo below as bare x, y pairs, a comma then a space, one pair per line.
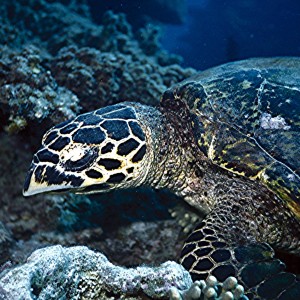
80, 159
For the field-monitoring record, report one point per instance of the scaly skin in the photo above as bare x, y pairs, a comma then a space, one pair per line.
257, 213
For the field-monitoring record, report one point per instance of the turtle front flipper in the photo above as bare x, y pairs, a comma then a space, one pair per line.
208, 252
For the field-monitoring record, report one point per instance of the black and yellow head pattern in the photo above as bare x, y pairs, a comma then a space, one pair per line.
96, 151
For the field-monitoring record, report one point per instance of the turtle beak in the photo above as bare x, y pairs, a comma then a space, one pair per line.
43, 178
33, 185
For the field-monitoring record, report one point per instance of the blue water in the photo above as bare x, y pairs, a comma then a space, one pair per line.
217, 31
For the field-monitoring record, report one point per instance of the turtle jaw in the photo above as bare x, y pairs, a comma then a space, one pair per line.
35, 188
39, 189
44, 178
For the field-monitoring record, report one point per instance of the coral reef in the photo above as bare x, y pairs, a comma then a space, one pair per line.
52, 24
28, 92
186, 216
109, 78
79, 273
143, 243
211, 289
69, 25
5, 243
131, 245
46, 80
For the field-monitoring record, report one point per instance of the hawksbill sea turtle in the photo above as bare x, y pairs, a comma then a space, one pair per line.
226, 140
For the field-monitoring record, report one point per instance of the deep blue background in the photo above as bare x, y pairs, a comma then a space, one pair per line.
219, 31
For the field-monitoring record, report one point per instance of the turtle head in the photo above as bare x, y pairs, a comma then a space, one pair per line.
95, 152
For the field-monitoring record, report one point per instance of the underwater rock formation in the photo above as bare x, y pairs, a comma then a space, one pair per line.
5, 243
22, 218
131, 245
28, 91
54, 25
143, 243
77, 272
68, 62
102, 78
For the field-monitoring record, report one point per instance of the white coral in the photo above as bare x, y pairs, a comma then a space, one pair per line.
269, 122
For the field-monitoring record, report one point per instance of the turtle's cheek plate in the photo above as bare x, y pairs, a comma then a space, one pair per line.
43, 178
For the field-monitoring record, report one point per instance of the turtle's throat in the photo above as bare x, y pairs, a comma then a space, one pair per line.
173, 160
171, 154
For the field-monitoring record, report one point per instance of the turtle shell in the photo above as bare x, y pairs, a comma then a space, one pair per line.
246, 119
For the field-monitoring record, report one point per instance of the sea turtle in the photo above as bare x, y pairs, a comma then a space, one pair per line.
226, 140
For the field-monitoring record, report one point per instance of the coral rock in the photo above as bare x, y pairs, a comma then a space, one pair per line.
79, 273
